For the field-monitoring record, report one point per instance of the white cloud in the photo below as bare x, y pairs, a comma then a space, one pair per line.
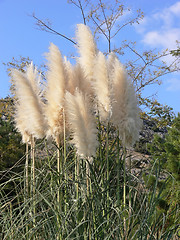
175, 8
162, 38
173, 85
161, 29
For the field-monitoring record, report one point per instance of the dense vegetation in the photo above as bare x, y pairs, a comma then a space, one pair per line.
59, 190
149, 212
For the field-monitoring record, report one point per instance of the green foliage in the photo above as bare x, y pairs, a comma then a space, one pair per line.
166, 153
11, 151
146, 214
10, 148
78, 214
161, 115
6, 108
176, 52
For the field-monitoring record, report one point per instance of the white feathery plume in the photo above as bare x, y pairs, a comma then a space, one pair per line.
75, 78
72, 82
110, 62
102, 87
87, 50
34, 78
82, 123
29, 112
21, 124
125, 110
56, 79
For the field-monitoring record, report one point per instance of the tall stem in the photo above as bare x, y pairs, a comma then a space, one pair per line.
26, 170
27, 183
77, 189
129, 160
58, 170
124, 188
93, 209
107, 163
118, 171
33, 176
58, 191
65, 167
87, 176
77, 176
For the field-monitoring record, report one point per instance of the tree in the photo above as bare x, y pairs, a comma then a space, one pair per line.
166, 155
103, 17
6, 108
11, 150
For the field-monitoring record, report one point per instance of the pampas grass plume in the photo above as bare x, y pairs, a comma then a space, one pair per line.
56, 79
102, 86
125, 110
87, 49
29, 113
33, 77
72, 80
82, 123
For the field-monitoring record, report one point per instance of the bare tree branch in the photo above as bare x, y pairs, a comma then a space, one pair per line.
41, 23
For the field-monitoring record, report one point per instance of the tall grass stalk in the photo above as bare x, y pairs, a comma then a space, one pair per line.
87, 178
130, 188
77, 176
118, 170
59, 198
65, 163
58, 169
27, 170
89, 207
107, 166
84, 217
33, 179
124, 190
26, 183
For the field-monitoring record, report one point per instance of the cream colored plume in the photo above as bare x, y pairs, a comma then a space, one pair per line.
81, 79
82, 123
29, 112
102, 87
125, 110
110, 63
87, 50
72, 80
75, 78
56, 80
34, 78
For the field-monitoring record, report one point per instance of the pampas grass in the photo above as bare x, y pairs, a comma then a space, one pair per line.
82, 122
55, 92
71, 82
125, 110
29, 116
60, 205
102, 87
34, 78
87, 49
83, 127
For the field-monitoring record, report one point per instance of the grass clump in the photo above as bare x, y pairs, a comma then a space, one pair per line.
80, 187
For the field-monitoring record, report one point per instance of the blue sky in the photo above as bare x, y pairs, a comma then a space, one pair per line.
159, 29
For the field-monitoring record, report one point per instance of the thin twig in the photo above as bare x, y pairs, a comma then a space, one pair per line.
52, 30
